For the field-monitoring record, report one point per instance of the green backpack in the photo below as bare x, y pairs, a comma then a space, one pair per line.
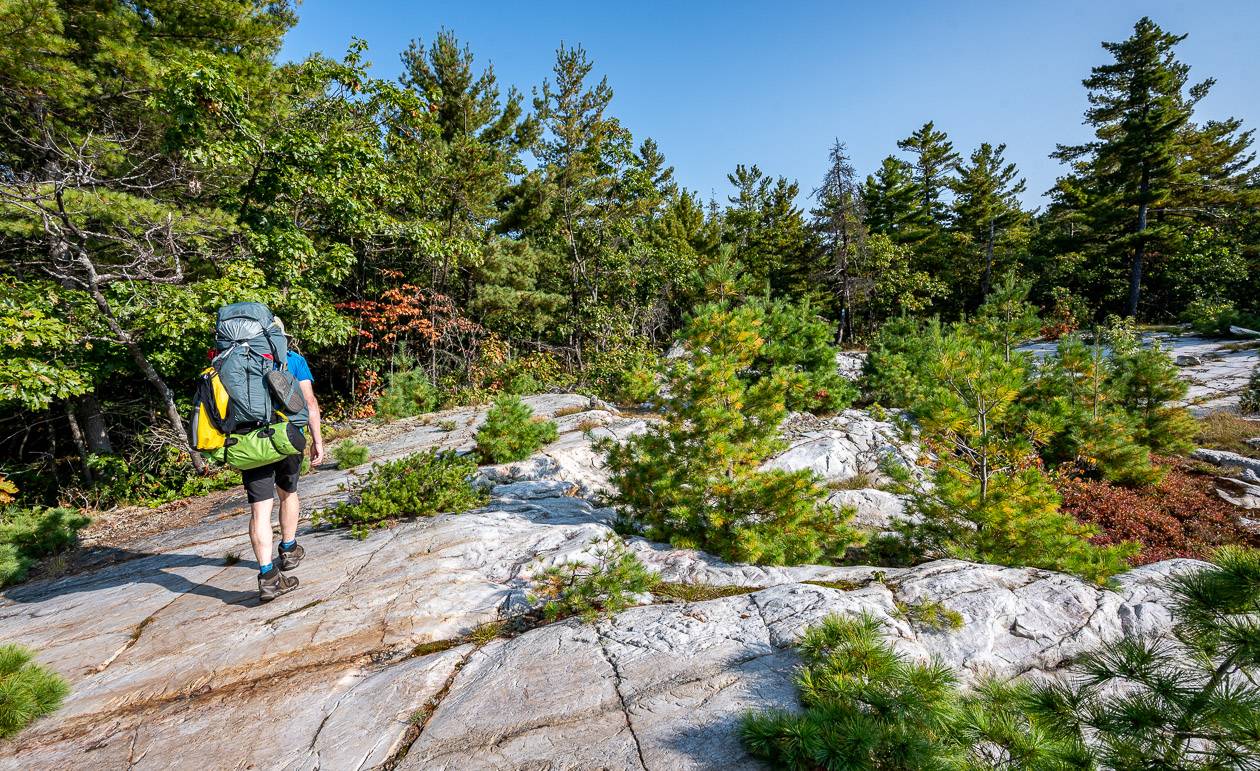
261, 446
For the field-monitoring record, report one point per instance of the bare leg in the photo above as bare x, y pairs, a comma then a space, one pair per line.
290, 507
260, 529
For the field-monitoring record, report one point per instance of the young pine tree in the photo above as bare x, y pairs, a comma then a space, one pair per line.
1146, 382
991, 501
1188, 702
695, 478
1074, 392
511, 432
1007, 318
798, 342
868, 709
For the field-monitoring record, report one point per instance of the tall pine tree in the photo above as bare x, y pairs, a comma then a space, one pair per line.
986, 204
1139, 106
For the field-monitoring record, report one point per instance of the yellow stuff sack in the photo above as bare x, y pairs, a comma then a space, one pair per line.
209, 421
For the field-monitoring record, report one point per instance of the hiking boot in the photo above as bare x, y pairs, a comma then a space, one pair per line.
290, 559
275, 584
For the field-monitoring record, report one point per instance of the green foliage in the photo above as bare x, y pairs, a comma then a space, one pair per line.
1210, 317
1006, 318
930, 615
151, 476
1075, 395
602, 586
1189, 701
419, 485
1146, 381
409, 392
28, 691
1249, 402
29, 534
510, 432
695, 478
623, 373
349, 453
896, 370
866, 708
799, 342
990, 501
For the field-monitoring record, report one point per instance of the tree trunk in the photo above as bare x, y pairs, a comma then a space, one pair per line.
124, 338
76, 433
95, 433
1139, 252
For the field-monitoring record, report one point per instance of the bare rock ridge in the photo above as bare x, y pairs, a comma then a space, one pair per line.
174, 664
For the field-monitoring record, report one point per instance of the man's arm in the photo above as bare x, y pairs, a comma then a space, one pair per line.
312, 410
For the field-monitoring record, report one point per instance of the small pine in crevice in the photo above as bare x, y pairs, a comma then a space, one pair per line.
510, 432
608, 583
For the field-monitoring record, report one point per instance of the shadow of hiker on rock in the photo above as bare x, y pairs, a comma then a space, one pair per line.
122, 567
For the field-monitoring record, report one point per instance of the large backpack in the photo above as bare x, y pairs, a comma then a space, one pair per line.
250, 346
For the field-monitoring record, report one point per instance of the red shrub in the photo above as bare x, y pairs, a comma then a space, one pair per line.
1180, 517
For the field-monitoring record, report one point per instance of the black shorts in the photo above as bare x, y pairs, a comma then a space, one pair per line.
261, 482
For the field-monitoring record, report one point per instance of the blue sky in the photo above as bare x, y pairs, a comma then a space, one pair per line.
718, 84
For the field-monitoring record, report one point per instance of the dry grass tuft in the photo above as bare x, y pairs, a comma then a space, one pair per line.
1228, 431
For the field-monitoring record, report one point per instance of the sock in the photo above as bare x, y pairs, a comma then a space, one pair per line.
264, 569
288, 545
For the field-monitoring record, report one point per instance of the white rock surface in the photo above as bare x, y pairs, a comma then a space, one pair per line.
844, 446
174, 664
874, 510
850, 363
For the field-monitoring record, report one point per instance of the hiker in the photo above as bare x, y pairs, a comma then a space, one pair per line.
263, 483
250, 412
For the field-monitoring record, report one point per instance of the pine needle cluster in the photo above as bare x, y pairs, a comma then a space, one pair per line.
28, 691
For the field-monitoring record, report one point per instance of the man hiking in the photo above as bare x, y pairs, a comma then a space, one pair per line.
263, 483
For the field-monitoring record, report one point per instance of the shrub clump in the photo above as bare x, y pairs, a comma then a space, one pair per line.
605, 585
510, 432
868, 708
419, 485
409, 392
29, 534
695, 478
1249, 403
349, 453
28, 691
1182, 516
623, 373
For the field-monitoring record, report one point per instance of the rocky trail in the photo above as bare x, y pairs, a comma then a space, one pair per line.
376, 661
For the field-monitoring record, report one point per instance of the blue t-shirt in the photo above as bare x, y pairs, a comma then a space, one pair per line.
298, 366
302, 371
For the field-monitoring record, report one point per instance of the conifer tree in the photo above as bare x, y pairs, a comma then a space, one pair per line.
1147, 384
1189, 701
1007, 318
695, 479
934, 164
1139, 105
986, 204
767, 232
892, 203
1075, 394
839, 220
990, 500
